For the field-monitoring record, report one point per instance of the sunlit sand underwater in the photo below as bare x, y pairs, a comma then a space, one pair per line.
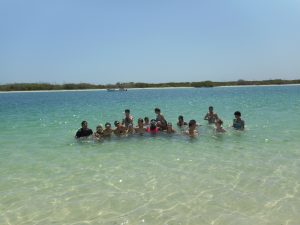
249, 177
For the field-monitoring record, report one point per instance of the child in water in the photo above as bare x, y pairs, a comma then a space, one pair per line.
219, 127
192, 132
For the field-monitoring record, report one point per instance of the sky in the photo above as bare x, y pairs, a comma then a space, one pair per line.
104, 42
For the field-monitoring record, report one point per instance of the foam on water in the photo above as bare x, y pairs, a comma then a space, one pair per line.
249, 177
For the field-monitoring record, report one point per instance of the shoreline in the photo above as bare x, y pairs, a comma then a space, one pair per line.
151, 88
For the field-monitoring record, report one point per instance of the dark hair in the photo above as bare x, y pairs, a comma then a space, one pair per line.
180, 117
116, 123
107, 124
157, 110
219, 121
210, 107
140, 119
83, 122
153, 124
192, 122
127, 111
237, 113
146, 118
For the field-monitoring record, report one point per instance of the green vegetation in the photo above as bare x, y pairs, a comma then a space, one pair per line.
82, 86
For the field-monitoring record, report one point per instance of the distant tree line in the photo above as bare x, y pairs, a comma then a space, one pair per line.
82, 86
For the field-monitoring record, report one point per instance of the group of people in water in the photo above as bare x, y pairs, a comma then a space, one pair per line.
155, 126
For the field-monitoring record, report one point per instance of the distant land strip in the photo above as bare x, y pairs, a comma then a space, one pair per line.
83, 86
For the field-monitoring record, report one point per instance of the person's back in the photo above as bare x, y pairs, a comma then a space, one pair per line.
84, 131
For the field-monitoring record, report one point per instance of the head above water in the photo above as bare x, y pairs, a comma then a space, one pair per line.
237, 113
219, 121
192, 123
84, 124
210, 108
127, 111
107, 125
116, 123
157, 110
180, 118
99, 128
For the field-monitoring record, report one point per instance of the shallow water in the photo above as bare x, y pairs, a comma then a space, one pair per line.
250, 177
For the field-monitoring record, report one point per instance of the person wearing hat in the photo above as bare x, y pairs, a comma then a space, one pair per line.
120, 129
107, 130
99, 132
153, 129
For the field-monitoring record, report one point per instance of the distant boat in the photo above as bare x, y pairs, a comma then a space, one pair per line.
116, 89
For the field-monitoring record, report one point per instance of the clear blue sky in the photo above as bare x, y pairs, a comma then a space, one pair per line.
94, 41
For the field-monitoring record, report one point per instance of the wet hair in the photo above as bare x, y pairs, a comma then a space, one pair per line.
180, 117
157, 110
169, 124
127, 111
140, 120
83, 122
146, 119
116, 123
210, 107
237, 113
192, 122
219, 121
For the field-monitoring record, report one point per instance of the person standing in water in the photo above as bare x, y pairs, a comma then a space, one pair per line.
238, 123
128, 119
219, 128
84, 131
181, 121
160, 119
211, 116
192, 132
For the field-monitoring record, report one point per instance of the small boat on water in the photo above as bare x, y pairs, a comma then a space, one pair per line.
116, 89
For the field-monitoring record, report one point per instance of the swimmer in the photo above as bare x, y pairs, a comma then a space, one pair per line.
84, 131
211, 117
153, 129
181, 121
192, 132
170, 129
139, 129
146, 122
219, 127
128, 118
107, 131
238, 123
99, 132
120, 129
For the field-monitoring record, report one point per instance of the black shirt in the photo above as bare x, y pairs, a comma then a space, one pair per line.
83, 133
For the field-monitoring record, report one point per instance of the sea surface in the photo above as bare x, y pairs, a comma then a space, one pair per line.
249, 177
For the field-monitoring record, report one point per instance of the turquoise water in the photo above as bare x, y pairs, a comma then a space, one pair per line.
250, 177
